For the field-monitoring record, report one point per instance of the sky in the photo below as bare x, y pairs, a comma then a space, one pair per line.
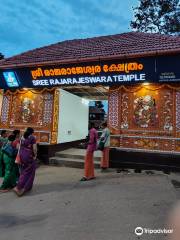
29, 24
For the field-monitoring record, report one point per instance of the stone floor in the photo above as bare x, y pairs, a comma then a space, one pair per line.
108, 208
78, 151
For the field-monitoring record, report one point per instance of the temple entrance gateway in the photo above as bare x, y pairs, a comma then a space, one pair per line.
137, 73
57, 115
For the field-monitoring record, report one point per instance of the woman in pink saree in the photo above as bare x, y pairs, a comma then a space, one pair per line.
89, 162
28, 154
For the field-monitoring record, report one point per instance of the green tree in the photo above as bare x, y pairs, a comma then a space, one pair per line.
99, 104
157, 16
1, 56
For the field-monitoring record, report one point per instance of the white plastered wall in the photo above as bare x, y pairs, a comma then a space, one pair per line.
73, 118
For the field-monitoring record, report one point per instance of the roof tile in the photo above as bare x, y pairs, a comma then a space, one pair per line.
131, 44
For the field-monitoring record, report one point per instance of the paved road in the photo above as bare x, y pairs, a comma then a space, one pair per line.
108, 208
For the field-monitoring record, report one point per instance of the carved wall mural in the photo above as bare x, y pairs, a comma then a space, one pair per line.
124, 111
114, 106
145, 112
27, 108
148, 119
178, 111
22, 109
5, 110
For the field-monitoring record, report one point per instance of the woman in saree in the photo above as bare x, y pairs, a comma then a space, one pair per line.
27, 154
3, 140
16, 142
105, 138
8, 154
89, 161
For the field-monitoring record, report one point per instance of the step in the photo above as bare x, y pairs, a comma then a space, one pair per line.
74, 156
70, 162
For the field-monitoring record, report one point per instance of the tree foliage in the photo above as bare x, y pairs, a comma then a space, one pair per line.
157, 16
1, 56
99, 104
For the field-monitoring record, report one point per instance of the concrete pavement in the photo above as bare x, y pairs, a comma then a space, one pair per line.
108, 208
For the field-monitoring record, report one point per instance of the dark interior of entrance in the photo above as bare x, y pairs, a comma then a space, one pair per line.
97, 97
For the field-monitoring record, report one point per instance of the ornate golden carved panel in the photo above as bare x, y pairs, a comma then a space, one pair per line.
55, 117
149, 117
114, 107
27, 109
33, 108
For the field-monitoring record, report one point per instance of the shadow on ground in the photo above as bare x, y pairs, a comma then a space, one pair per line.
8, 221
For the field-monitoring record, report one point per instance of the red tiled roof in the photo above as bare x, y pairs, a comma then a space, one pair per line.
125, 45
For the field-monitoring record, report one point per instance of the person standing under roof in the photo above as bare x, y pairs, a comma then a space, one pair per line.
105, 138
91, 147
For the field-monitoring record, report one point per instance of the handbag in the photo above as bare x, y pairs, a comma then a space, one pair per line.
18, 159
8, 149
102, 143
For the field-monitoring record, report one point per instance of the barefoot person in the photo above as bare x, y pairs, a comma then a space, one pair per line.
89, 162
105, 138
28, 154
8, 154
